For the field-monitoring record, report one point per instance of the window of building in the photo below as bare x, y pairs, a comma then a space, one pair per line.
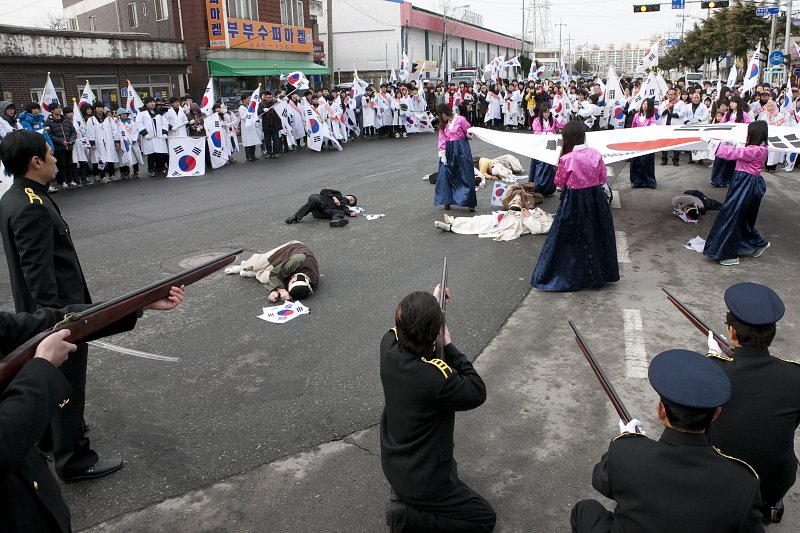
292, 12
37, 88
481, 59
92, 23
455, 58
162, 9
133, 17
436, 52
72, 24
245, 9
105, 88
144, 9
155, 85
469, 58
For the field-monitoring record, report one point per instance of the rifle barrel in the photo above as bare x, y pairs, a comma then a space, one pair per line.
698, 323
601, 377
83, 325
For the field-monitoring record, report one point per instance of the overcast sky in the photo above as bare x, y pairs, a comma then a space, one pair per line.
593, 21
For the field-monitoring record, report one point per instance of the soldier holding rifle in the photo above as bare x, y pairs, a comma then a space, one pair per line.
422, 393
30, 499
679, 483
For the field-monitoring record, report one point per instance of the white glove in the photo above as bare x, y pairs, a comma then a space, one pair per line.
442, 157
713, 345
469, 135
634, 426
148, 136
191, 121
713, 144
164, 136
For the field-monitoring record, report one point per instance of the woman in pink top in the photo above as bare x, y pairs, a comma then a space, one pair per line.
456, 181
722, 170
541, 173
643, 168
734, 231
580, 251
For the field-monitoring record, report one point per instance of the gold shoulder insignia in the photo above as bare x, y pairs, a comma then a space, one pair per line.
753, 470
32, 195
441, 365
621, 435
394, 330
789, 360
721, 357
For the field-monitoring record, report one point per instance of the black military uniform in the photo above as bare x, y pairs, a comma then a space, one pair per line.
678, 483
30, 499
758, 423
45, 272
422, 395
322, 206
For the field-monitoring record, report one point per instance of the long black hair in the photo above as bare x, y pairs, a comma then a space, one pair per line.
757, 133
543, 108
443, 111
651, 107
739, 109
573, 134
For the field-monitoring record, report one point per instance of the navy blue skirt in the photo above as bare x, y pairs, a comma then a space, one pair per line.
456, 182
542, 175
722, 172
643, 171
580, 251
734, 231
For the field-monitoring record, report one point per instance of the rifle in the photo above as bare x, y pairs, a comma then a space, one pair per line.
727, 349
623, 413
442, 306
84, 324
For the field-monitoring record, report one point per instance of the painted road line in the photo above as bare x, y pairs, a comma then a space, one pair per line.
635, 352
622, 247
615, 201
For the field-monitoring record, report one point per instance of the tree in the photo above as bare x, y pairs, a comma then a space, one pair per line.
54, 22
582, 65
451, 27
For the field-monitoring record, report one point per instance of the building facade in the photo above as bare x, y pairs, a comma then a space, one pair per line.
624, 58
239, 42
369, 35
155, 66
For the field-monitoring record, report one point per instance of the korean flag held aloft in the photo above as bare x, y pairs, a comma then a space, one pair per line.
218, 149
297, 80
187, 156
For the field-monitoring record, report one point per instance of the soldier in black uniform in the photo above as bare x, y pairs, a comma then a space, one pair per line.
679, 483
330, 204
30, 499
422, 394
45, 272
759, 422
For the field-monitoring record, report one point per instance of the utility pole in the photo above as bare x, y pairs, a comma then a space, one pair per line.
788, 37
560, 50
330, 38
522, 51
772, 29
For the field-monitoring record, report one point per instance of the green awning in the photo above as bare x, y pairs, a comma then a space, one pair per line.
262, 67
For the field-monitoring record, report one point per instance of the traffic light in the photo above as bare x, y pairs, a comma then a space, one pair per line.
713, 5
646, 8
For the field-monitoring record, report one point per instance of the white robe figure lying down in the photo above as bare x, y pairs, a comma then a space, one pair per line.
501, 225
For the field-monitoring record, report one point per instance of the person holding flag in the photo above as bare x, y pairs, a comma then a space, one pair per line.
643, 168
153, 131
80, 157
247, 120
774, 116
104, 142
670, 110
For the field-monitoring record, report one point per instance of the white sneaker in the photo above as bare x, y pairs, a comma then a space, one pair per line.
441, 225
233, 269
52, 189
760, 251
73, 184
64, 186
105, 180
396, 135
405, 135
247, 273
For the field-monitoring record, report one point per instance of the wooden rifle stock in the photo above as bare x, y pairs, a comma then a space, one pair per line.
623, 413
727, 349
443, 306
83, 325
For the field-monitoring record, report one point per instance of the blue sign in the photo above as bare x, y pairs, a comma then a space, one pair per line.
760, 11
796, 73
776, 57
678, 4
673, 42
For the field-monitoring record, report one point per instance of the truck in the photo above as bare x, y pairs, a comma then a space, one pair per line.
466, 75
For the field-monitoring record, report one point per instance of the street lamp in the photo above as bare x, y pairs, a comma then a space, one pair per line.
444, 52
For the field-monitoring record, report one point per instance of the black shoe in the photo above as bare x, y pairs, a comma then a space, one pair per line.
663, 162
292, 219
395, 513
691, 162
338, 223
276, 156
101, 468
447, 207
471, 209
675, 164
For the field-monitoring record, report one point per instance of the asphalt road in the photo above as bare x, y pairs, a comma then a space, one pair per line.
258, 428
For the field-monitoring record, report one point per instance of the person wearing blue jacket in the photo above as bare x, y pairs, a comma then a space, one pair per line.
32, 119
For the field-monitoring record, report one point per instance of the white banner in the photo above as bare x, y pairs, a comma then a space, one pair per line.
620, 145
215, 132
187, 156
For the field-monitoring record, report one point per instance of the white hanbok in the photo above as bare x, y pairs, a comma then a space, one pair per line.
102, 136
177, 122
153, 125
493, 112
81, 146
503, 225
368, 111
250, 132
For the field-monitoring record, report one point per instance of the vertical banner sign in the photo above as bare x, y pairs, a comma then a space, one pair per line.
216, 24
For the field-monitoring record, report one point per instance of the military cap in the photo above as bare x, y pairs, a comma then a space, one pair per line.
754, 304
689, 379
